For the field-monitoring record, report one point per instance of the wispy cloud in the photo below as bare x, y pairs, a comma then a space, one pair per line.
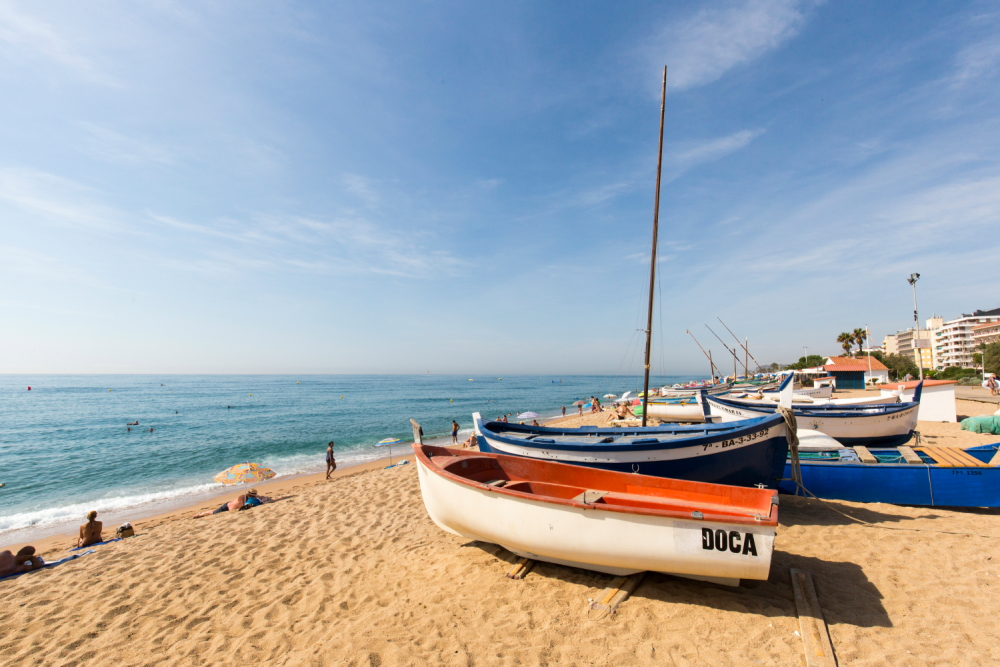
977, 60
361, 187
711, 150
353, 246
701, 49
54, 199
30, 35
116, 147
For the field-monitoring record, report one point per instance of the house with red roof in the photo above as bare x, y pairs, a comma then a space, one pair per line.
855, 373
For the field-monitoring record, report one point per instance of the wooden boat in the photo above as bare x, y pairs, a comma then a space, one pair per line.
618, 523
692, 409
811, 392
868, 425
744, 453
805, 400
933, 476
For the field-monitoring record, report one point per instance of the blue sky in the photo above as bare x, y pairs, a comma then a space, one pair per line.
243, 187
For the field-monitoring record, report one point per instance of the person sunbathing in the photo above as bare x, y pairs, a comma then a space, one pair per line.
24, 561
90, 532
231, 506
254, 500
242, 502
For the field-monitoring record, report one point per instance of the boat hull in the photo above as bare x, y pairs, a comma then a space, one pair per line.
748, 456
900, 483
614, 543
883, 426
686, 410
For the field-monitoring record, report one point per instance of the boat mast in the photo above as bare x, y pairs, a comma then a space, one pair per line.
652, 263
708, 355
745, 348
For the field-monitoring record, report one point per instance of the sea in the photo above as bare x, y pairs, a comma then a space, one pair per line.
65, 448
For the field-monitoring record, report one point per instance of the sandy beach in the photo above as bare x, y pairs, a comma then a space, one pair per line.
352, 572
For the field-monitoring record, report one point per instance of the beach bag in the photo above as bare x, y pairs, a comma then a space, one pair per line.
125, 530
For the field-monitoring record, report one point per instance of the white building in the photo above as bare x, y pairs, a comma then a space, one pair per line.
954, 342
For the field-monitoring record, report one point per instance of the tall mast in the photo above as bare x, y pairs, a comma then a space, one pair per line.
652, 263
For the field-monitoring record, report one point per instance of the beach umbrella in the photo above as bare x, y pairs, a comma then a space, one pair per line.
527, 415
579, 403
636, 402
388, 442
244, 473
611, 396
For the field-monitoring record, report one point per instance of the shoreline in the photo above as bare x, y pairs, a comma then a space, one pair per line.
64, 539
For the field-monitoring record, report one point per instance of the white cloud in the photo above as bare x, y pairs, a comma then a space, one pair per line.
703, 48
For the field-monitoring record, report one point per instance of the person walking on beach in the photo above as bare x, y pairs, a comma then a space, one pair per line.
90, 532
454, 432
564, 411
331, 463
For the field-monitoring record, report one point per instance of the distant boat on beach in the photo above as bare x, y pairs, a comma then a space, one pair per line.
881, 425
610, 522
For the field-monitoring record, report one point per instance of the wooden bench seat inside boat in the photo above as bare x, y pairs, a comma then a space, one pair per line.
952, 457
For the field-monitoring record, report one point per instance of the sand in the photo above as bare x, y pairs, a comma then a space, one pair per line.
352, 572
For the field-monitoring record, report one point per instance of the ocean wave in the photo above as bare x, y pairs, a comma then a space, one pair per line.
77, 511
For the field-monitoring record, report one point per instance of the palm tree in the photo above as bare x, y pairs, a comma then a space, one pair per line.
859, 338
846, 341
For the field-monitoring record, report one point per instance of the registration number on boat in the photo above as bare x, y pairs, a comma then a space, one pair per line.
743, 439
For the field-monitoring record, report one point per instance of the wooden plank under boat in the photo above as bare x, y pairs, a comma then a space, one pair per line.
618, 523
932, 476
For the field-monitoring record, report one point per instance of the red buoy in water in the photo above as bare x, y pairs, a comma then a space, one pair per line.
29, 388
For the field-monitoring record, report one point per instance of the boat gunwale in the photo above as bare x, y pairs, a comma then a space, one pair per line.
707, 516
707, 433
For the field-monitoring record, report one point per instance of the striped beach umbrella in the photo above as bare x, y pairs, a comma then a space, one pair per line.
244, 473
388, 442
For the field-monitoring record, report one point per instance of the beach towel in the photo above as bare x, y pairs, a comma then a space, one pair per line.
52, 564
97, 544
984, 424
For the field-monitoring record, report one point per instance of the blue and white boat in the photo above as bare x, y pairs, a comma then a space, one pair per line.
942, 476
886, 425
751, 452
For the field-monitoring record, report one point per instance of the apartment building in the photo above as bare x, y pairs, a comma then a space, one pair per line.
985, 333
907, 343
954, 341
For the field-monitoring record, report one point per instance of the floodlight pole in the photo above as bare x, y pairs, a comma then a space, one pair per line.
914, 277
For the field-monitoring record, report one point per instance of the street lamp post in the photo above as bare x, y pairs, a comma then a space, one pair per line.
914, 277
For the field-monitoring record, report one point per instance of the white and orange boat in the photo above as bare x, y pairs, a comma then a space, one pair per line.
613, 522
